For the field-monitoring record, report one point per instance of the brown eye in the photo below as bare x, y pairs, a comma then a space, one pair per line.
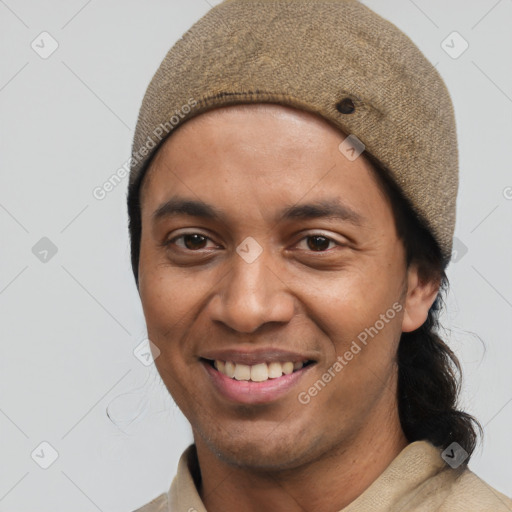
194, 241
318, 243
188, 241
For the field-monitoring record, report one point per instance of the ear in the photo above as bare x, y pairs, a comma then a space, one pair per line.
419, 298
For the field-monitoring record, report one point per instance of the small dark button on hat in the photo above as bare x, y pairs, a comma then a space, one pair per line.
346, 106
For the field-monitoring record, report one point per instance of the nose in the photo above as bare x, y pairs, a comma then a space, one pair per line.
251, 295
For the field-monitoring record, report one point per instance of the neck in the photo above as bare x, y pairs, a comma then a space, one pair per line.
331, 482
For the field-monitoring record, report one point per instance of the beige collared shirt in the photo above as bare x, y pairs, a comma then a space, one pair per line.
417, 480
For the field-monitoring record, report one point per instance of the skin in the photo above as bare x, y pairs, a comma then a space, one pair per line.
251, 162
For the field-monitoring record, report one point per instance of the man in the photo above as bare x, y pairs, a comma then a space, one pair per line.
292, 206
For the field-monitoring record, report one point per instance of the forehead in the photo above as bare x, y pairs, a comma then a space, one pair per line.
259, 155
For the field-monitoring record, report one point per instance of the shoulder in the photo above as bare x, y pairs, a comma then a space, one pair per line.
469, 492
182, 487
159, 504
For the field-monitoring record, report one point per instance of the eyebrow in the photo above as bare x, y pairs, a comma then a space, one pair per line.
325, 208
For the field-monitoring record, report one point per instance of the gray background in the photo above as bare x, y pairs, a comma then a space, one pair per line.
69, 325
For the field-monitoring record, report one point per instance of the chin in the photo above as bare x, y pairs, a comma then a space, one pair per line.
265, 452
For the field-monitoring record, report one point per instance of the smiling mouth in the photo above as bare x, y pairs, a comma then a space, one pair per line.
260, 372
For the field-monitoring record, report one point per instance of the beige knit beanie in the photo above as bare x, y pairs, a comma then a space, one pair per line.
335, 58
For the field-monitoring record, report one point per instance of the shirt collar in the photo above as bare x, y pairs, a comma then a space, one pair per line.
415, 464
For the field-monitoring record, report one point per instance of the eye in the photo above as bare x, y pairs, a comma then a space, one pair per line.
319, 242
191, 241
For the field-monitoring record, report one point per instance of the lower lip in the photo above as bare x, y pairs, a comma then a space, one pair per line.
248, 392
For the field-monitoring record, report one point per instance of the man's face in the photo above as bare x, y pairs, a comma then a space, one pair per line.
319, 284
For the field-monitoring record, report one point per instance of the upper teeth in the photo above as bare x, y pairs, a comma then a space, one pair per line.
258, 372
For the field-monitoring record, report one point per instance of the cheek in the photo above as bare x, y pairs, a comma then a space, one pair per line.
165, 301
353, 299
172, 300
160, 301
168, 304
362, 321
360, 312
